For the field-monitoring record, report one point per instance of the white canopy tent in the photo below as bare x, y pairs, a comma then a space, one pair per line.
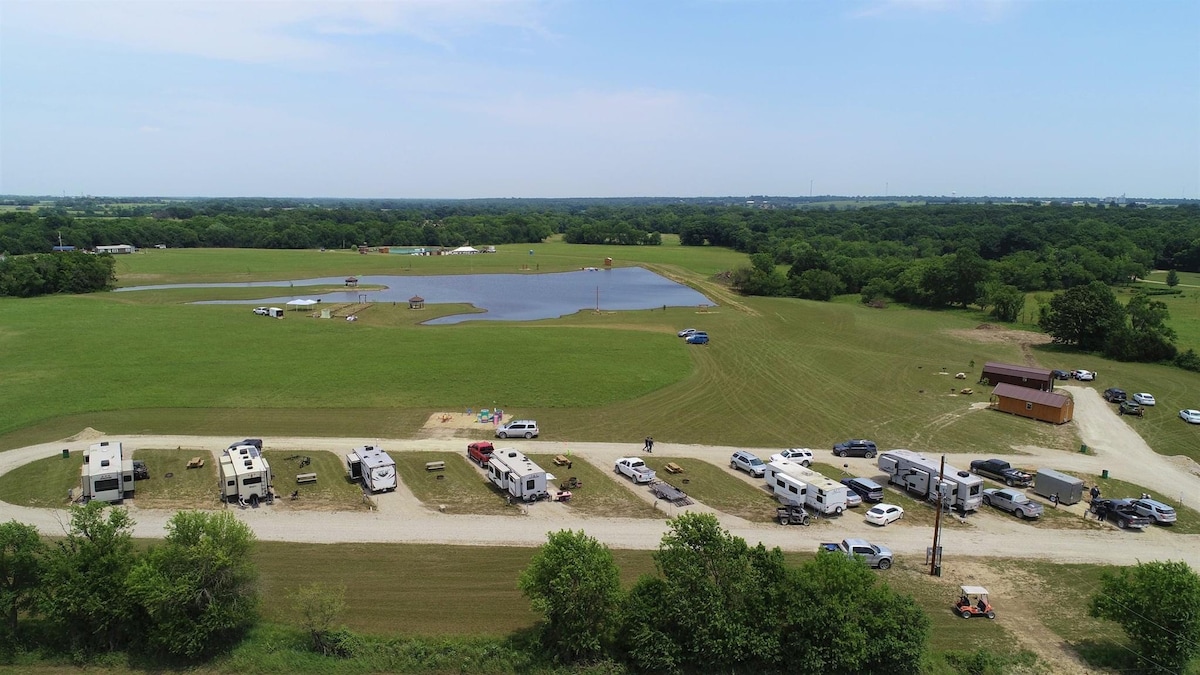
464, 249
301, 304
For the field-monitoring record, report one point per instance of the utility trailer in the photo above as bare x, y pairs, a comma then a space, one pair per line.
1049, 482
245, 475
373, 467
664, 490
517, 475
106, 475
919, 475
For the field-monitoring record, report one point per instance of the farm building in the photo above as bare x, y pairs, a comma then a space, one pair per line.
1040, 405
1022, 376
116, 248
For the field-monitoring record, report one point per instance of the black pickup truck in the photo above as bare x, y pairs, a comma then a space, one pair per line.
1120, 511
1002, 471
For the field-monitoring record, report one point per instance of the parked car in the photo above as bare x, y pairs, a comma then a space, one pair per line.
1130, 408
697, 339
1121, 512
801, 456
1085, 375
748, 462
635, 469
853, 499
1155, 510
882, 514
875, 556
686, 332
517, 429
866, 488
857, 448
1144, 398
1060, 374
1013, 501
261, 311
1114, 395
1002, 471
1190, 416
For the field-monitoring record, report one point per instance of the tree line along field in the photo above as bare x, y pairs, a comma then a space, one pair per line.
779, 371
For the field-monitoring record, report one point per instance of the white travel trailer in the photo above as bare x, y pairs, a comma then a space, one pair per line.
919, 475
245, 475
516, 474
796, 485
106, 475
373, 467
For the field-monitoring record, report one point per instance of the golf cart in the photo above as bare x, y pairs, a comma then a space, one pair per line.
974, 602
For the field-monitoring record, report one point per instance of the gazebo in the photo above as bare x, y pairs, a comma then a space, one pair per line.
351, 282
416, 302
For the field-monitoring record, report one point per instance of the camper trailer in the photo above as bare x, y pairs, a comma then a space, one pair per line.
373, 467
797, 485
106, 475
516, 474
245, 475
919, 476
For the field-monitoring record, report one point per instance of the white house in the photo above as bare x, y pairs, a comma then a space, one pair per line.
116, 249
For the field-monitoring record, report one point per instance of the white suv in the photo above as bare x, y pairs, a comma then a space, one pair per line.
801, 456
518, 429
748, 462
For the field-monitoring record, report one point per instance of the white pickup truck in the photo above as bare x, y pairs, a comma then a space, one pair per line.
635, 468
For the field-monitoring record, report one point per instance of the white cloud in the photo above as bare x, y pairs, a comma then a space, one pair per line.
265, 32
990, 10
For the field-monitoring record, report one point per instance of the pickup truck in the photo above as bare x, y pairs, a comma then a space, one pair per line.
635, 468
480, 452
876, 556
1013, 501
1002, 471
1120, 511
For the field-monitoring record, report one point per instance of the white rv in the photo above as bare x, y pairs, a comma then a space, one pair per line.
797, 485
245, 475
106, 475
919, 475
516, 474
373, 467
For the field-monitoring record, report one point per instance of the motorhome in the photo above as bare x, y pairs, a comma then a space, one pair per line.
106, 475
373, 467
517, 475
919, 475
797, 485
245, 475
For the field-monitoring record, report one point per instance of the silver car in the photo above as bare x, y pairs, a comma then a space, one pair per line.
518, 429
748, 462
1155, 510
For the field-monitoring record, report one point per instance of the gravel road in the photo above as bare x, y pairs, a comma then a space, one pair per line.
401, 518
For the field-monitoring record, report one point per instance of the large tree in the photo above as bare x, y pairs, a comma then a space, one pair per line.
85, 575
1083, 316
21, 551
576, 586
199, 588
1158, 605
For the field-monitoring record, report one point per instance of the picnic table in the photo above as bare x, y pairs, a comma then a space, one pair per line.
672, 467
195, 462
561, 460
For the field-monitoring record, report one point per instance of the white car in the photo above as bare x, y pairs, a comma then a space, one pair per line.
882, 514
801, 456
261, 311
1143, 398
1192, 416
1084, 375
686, 332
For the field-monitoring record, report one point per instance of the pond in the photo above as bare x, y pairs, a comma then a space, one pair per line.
503, 297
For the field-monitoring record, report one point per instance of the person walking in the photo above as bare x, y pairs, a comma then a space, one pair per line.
650, 444
1095, 492
646, 445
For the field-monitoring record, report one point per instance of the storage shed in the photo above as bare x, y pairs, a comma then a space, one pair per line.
1022, 376
1040, 405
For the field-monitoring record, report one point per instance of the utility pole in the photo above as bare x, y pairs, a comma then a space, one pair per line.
935, 559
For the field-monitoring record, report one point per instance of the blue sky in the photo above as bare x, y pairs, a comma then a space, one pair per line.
591, 98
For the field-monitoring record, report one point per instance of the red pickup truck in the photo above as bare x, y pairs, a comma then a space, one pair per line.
480, 452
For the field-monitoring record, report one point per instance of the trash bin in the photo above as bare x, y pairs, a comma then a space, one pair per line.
1104, 473
66, 453
1083, 448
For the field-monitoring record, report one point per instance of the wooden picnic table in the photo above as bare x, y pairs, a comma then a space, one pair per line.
195, 462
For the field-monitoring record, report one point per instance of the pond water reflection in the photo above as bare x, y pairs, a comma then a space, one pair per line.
504, 297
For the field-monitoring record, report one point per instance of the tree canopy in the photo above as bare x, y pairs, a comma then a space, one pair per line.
1158, 605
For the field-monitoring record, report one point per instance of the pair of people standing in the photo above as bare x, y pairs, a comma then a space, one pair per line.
649, 447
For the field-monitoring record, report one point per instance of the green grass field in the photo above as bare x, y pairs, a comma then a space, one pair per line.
42, 483
600, 495
184, 489
332, 491
461, 488
712, 486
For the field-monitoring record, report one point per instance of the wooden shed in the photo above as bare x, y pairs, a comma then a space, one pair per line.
416, 302
1022, 376
1039, 405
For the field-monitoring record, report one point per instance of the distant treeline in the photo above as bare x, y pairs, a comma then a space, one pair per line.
41, 274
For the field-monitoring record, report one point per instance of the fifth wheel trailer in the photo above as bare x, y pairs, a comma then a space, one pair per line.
245, 475
106, 475
919, 475
373, 467
516, 474
797, 485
